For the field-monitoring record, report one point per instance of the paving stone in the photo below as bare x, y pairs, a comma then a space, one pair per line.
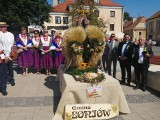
36, 97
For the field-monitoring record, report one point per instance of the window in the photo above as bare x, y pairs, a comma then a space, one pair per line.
112, 13
58, 20
96, 1
96, 12
139, 34
151, 26
65, 20
111, 27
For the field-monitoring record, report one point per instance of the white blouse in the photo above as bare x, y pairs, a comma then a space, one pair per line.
47, 42
35, 42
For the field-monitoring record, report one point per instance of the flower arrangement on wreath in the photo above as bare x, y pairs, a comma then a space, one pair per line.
73, 46
79, 43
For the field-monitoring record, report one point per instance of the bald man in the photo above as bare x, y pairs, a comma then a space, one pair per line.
141, 61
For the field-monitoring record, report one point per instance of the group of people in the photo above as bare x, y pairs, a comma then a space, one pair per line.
128, 54
45, 52
39, 52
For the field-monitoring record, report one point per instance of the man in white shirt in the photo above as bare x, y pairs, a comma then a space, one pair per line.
8, 41
3, 82
125, 52
141, 62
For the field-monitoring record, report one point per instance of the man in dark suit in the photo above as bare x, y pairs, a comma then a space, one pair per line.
141, 63
125, 51
112, 54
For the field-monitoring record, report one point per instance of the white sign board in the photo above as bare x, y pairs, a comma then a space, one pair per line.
95, 91
90, 111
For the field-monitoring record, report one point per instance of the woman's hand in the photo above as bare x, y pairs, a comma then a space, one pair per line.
46, 51
57, 49
24, 48
36, 46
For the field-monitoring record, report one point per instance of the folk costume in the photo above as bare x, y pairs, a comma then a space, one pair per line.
59, 57
36, 52
3, 70
6, 43
25, 58
8, 39
46, 54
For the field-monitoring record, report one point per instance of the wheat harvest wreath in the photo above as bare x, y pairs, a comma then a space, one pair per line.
83, 49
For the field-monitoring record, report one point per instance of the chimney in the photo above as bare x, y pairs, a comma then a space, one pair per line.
134, 19
55, 2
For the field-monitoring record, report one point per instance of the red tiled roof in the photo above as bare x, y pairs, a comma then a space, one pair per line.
139, 20
157, 14
109, 3
62, 7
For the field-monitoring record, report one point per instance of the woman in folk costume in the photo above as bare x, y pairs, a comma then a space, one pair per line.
46, 54
24, 44
59, 57
36, 51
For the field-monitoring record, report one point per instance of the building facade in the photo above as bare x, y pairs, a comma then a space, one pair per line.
136, 27
153, 27
108, 11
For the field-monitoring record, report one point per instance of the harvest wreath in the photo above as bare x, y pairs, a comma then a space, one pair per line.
83, 49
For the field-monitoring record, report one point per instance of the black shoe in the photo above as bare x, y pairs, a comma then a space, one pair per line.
128, 83
4, 92
143, 89
137, 87
12, 83
122, 82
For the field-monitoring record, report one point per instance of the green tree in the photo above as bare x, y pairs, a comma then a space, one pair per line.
127, 16
18, 13
92, 13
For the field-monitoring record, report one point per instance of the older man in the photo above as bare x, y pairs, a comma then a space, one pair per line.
8, 41
141, 61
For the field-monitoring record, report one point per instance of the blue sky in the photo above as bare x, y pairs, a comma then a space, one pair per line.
137, 7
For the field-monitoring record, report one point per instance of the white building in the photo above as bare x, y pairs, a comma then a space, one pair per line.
108, 11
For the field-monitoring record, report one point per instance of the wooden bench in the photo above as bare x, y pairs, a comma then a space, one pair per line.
155, 60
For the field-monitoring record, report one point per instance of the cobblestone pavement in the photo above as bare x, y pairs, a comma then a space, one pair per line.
35, 97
